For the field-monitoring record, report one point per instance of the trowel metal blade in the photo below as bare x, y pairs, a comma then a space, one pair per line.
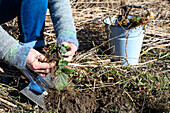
36, 98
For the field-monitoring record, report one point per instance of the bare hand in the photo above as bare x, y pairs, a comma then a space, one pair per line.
69, 55
35, 62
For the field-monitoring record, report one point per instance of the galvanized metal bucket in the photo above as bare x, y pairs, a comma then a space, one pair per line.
127, 42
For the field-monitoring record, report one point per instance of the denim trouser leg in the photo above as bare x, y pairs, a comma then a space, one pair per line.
31, 18
31, 22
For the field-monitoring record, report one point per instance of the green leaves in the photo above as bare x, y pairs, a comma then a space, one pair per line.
52, 48
67, 70
62, 63
136, 19
62, 79
63, 49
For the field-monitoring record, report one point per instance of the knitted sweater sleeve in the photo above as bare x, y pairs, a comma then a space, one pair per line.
11, 51
61, 14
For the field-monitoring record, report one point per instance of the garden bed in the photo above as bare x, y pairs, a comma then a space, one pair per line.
99, 84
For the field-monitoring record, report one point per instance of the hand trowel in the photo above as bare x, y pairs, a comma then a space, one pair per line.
37, 88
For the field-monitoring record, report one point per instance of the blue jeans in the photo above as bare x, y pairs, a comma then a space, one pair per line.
31, 19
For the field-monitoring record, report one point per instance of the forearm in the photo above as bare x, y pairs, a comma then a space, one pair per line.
61, 14
11, 51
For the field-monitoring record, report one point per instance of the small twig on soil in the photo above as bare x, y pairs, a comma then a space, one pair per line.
166, 71
9, 88
128, 95
80, 65
151, 60
7, 102
94, 84
58, 104
49, 34
150, 48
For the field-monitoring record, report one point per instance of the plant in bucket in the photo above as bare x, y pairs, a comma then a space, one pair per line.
126, 32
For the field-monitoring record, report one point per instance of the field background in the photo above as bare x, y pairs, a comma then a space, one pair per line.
140, 88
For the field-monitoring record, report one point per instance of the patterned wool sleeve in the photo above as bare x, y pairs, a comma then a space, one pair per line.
11, 51
68, 36
17, 56
61, 14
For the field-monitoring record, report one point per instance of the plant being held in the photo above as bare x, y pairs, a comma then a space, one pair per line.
60, 80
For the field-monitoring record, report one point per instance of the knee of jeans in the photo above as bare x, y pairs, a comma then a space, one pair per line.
32, 16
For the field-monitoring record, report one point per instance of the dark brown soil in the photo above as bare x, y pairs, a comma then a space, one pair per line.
101, 100
107, 99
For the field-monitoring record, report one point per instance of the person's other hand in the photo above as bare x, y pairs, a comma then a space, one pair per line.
35, 62
69, 55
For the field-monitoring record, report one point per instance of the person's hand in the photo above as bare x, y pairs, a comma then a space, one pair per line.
35, 62
69, 55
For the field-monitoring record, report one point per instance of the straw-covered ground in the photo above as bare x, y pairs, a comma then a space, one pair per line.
99, 83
